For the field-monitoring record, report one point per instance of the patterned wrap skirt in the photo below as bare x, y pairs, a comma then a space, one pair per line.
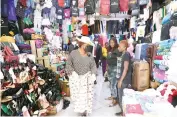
81, 90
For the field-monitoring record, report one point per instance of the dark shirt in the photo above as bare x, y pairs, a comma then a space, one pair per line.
71, 47
112, 57
126, 57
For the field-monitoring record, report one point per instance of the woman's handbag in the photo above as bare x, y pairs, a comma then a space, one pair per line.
9, 55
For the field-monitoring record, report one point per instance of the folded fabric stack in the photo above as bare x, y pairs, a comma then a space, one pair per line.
148, 103
163, 59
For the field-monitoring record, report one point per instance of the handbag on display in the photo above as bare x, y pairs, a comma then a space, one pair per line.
13, 27
5, 38
67, 13
19, 39
37, 36
39, 43
9, 55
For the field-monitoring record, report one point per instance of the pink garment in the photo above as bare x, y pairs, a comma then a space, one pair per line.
160, 74
134, 109
130, 50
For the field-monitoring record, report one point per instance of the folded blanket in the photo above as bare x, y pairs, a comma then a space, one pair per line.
161, 62
162, 67
160, 57
163, 53
134, 109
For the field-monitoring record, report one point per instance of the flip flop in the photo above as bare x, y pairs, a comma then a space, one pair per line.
109, 98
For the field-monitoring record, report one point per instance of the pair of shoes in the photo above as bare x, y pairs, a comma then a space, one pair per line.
119, 114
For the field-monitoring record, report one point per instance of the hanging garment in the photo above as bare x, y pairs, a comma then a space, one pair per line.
123, 4
114, 6
61, 3
4, 8
11, 10
81, 3
85, 30
90, 7
105, 7
81, 89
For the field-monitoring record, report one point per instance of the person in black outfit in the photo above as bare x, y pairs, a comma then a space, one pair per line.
72, 45
97, 52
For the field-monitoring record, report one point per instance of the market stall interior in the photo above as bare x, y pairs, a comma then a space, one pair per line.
38, 38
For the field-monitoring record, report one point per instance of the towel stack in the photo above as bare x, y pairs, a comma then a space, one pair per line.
164, 60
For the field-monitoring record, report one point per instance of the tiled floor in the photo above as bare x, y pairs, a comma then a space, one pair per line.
101, 106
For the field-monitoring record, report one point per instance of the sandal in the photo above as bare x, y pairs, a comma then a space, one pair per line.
114, 103
109, 98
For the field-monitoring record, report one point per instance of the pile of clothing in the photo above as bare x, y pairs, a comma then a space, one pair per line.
148, 103
163, 60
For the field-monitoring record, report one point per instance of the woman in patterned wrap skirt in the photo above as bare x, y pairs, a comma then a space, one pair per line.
81, 69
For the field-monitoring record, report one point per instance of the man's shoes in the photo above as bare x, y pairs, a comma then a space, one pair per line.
119, 114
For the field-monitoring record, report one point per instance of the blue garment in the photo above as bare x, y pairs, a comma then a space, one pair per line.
166, 19
144, 51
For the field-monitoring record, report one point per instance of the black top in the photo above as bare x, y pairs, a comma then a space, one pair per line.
112, 57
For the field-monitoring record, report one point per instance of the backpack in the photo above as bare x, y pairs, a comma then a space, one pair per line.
4, 8
59, 13
67, 3
114, 6
61, 3
123, 4
89, 7
67, 13
81, 3
104, 7
74, 11
74, 3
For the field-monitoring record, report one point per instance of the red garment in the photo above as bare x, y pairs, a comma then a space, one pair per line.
61, 3
134, 109
163, 92
85, 30
159, 57
123, 4
23, 3
105, 7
